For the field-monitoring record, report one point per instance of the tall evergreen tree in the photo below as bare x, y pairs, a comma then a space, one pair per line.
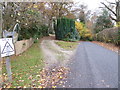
103, 21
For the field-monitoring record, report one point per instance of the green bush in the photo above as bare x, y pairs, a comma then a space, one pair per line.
34, 31
109, 35
65, 30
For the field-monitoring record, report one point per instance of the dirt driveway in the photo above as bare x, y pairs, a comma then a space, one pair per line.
53, 54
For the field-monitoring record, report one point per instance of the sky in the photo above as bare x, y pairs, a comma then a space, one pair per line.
93, 4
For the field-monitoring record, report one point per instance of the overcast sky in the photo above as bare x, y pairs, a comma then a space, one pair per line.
93, 4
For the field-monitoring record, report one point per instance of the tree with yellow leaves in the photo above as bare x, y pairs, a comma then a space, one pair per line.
84, 32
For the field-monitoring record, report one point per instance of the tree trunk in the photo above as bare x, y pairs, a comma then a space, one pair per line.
0, 20
1, 80
118, 11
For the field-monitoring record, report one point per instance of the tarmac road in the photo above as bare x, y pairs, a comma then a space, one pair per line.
93, 66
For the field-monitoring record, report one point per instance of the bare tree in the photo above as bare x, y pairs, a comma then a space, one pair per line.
116, 13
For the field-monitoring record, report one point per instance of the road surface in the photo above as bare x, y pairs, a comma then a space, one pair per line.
93, 66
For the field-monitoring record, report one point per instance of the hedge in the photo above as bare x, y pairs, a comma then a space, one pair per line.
65, 30
110, 35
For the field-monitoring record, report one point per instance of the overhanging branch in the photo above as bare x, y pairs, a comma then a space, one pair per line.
113, 18
109, 9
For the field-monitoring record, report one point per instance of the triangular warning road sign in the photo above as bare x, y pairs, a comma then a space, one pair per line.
7, 48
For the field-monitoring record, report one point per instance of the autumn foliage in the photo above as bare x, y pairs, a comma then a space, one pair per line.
84, 32
118, 24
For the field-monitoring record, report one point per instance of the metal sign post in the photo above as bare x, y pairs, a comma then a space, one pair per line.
7, 49
8, 65
8, 68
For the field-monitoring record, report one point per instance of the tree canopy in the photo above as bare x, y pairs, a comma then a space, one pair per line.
103, 21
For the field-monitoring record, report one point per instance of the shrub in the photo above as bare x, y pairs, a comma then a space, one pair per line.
34, 31
110, 35
65, 29
118, 24
83, 31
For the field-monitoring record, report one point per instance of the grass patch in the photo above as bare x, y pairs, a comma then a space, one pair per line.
67, 45
26, 67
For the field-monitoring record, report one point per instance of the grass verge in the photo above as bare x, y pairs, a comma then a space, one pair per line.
67, 45
26, 67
